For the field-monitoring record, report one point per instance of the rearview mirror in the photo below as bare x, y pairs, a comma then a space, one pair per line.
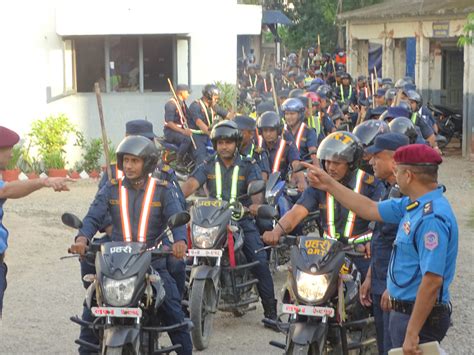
71, 220
178, 219
267, 212
255, 187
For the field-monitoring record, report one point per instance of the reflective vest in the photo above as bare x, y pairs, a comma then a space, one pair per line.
351, 216
144, 214
342, 93
279, 154
259, 141
365, 91
235, 180
182, 119
250, 154
315, 123
209, 119
254, 83
118, 173
414, 116
299, 135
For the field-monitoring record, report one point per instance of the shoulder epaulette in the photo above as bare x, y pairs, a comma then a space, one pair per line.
428, 208
161, 182
369, 179
412, 206
258, 150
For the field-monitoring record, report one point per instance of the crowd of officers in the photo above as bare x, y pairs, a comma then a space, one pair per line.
344, 146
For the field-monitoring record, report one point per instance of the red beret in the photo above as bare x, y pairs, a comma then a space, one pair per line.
417, 154
8, 138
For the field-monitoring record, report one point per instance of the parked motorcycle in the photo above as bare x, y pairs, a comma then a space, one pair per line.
321, 299
449, 123
220, 276
125, 294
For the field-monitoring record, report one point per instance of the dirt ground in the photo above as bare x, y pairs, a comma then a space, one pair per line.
43, 292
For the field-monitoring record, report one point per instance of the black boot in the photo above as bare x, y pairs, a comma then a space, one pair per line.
270, 314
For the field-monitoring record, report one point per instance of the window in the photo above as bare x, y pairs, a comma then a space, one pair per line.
134, 63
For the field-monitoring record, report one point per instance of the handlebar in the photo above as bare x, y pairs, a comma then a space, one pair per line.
287, 240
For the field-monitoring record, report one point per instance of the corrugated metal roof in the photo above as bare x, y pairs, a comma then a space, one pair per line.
392, 9
271, 17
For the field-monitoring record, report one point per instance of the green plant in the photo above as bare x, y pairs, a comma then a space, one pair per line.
91, 155
228, 95
112, 155
50, 136
467, 37
16, 154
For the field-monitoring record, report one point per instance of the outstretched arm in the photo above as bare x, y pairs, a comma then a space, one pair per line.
19, 189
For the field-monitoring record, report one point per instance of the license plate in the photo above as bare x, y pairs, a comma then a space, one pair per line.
117, 312
308, 310
215, 253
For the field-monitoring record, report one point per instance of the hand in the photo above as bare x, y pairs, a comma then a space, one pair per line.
253, 208
385, 303
58, 184
79, 246
179, 249
410, 345
317, 177
368, 253
187, 132
364, 293
301, 185
438, 150
271, 237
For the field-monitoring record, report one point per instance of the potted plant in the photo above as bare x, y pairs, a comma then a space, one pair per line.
12, 171
50, 136
92, 152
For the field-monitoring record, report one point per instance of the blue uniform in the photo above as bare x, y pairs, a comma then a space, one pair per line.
172, 115
346, 94
163, 205
248, 172
425, 129
252, 151
308, 140
290, 154
3, 247
313, 199
426, 241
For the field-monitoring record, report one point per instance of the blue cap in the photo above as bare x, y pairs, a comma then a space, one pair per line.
397, 111
388, 141
140, 128
380, 92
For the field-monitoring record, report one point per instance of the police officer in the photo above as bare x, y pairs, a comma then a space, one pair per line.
380, 98
137, 157
340, 154
375, 283
282, 154
367, 132
362, 90
249, 147
315, 117
14, 190
404, 126
425, 249
176, 119
418, 109
227, 176
345, 93
297, 130
203, 113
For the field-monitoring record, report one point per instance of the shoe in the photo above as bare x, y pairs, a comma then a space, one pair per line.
270, 313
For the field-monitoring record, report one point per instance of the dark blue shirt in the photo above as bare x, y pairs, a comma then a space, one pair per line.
381, 247
257, 153
3, 230
106, 202
425, 128
208, 116
248, 172
290, 154
313, 199
308, 140
349, 94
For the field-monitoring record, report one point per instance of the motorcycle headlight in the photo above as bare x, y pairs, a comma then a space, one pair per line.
311, 288
119, 293
204, 238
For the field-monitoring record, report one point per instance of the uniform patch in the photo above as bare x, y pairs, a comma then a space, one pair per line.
427, 208
406, 227
431, 240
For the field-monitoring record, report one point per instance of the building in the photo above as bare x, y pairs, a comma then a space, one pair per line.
54, 51
418, 38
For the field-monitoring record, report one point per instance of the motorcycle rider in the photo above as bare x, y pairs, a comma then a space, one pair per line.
345, 93
340, 154
297, 130
375, 283
176, 120
227, 175
137, 157
282, 154
249, 148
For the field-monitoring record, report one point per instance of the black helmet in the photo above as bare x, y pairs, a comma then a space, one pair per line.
400, 83
310, 50
339, 146
209, 91
406, 105
141, 147
414, 96
293, 105
345, 75
390, 94
226, 130
404, 126
326, 90
269, 119
265, 106
295, 93
367, 131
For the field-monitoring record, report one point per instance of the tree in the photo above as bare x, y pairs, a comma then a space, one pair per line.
467, 37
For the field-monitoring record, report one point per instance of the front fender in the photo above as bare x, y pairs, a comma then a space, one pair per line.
307, 333
90, 294
204, 272
119, 336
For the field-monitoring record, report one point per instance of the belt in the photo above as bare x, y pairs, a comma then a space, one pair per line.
406, 307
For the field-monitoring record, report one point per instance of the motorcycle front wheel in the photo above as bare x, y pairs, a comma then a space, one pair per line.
203, 301
126, 350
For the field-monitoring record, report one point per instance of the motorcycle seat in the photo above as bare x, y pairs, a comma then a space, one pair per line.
167, 145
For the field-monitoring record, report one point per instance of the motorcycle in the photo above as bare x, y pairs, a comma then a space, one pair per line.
125, 294
449, 123
321, 299
220, 276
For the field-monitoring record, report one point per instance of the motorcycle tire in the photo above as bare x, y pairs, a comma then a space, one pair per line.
297, 349
127, 350
203, 303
